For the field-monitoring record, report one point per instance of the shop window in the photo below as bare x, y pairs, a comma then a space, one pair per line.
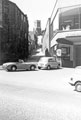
66, 53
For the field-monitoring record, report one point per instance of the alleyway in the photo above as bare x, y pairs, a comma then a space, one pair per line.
36, 54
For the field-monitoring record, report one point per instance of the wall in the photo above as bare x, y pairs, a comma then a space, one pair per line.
70, 16
56, 21
63, 3
46, 37
13, 32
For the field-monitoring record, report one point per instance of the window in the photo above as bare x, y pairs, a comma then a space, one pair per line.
52, 60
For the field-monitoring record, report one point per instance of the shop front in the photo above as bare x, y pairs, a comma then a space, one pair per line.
70, 51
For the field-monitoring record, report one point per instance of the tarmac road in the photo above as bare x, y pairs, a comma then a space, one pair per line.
38, 95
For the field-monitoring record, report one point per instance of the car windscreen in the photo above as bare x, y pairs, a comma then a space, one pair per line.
43, 60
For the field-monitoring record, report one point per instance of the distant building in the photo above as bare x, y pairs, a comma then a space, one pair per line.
32, 39
37, 27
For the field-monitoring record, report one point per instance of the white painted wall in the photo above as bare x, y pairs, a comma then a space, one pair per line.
64, 34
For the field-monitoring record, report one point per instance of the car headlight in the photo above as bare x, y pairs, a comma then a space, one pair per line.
45, 65
4, 66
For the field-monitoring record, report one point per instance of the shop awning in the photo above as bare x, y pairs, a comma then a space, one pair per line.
70, 40
64, 41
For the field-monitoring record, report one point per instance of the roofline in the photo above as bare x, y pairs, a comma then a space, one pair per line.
17, 7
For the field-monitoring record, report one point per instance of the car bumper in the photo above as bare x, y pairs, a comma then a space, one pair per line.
72, 81
42, 67
6, 68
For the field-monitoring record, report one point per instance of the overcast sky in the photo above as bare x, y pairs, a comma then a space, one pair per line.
36, 10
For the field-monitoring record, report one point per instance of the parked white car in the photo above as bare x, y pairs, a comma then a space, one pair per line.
21, 65
48, 63
75, 80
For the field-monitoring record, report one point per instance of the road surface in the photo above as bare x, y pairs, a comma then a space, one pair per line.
38, 95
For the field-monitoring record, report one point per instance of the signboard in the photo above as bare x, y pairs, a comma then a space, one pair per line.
64, 50
58, 52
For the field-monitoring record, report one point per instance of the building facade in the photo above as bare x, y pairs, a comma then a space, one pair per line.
46, 38
33, 41
65, 27
13, 32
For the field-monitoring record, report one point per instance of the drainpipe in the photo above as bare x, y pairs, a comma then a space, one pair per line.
79, 17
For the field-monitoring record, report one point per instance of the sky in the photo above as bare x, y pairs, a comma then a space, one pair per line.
41, 9
36, 10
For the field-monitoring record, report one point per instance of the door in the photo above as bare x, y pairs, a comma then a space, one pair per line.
21, 66
78, 55
53, 63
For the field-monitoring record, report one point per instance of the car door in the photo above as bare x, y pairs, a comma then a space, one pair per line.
55, 64
27, 65
21, 65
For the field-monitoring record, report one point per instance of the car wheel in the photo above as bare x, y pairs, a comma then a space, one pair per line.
78, 86
39, 67
48, 67
32, 67
13, 68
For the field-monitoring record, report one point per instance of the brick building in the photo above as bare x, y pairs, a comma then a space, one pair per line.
13, 32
